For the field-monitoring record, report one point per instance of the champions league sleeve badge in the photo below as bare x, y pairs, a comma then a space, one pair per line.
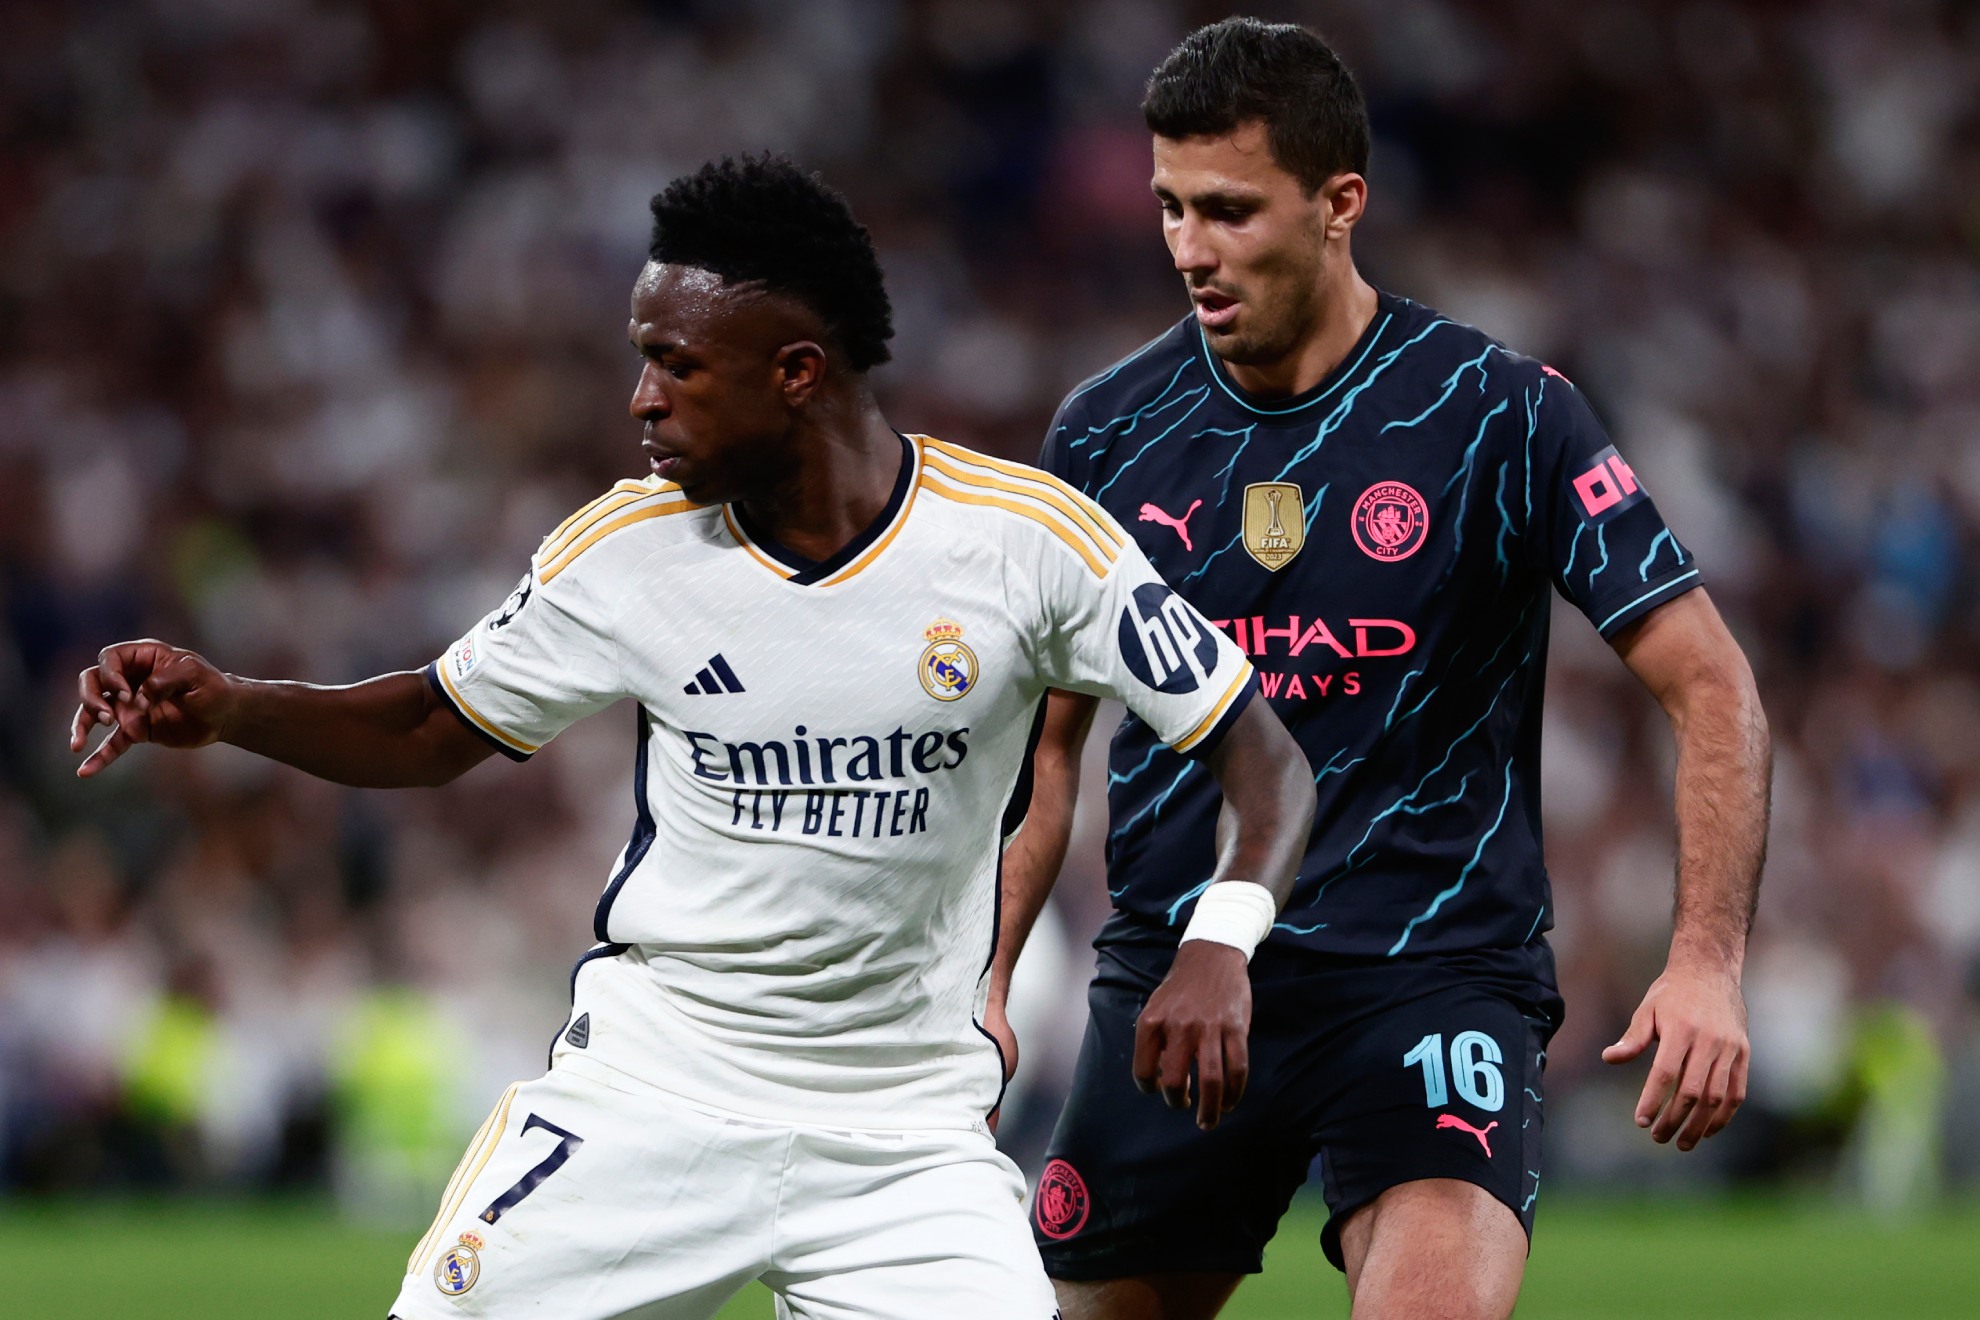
460, 1265
947, 668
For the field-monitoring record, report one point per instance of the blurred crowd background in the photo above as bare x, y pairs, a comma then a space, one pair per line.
312, 323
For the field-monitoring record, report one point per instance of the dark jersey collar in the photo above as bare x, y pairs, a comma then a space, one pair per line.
1389, 310
805, 570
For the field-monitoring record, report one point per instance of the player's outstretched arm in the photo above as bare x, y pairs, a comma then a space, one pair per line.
1201, 1013
1694, 1011
1032, 862
387, 732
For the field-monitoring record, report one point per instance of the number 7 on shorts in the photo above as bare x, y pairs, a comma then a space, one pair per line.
529, 1182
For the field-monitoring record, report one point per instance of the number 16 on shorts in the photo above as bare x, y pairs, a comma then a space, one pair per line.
1475, 1060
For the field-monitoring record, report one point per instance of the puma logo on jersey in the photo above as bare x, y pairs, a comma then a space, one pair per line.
1180, 526
1453, 1121
715, 679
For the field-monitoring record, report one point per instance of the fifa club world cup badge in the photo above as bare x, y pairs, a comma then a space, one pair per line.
1390, 521
459, 1266
1274, 522
1062, 1203
948, 668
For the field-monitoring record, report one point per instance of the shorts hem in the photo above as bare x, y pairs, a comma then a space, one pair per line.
1330, 1232
1146, 1259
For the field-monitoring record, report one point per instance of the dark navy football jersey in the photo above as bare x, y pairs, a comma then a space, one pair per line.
1382, 547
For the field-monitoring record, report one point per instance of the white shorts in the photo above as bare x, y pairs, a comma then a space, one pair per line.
588, 1194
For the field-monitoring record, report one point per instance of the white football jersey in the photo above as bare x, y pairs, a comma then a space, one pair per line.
801, 925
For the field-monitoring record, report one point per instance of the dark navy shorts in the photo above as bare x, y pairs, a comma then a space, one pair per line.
1385, 1070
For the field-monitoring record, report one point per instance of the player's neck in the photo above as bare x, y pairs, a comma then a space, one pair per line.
1347, 304
844, 475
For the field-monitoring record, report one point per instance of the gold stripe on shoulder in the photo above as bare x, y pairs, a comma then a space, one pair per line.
1030, 491
619, 488
1209, 722
603, 526
623, 495
1091, 515
969, 493
583, 509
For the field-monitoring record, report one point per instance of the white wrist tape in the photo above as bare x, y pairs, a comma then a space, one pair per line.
1233, 912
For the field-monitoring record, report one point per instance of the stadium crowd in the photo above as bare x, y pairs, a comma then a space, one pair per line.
309, 329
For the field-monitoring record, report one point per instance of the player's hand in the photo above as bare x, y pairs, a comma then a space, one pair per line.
998, 1024
1201, 1015
1698, 1079
148, 691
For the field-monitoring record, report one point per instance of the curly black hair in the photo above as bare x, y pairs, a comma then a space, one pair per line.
1240, 70
764, 220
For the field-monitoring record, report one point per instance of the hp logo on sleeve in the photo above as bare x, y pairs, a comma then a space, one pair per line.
1165, 645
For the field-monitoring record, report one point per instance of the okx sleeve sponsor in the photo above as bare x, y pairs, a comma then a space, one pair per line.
1596, 531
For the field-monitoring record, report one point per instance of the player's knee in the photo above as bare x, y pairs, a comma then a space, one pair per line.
1171, 1296
1437, 1247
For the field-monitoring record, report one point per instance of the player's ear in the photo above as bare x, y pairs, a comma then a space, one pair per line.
800, 369
1342, 200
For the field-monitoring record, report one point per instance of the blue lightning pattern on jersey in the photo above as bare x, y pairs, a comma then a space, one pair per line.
1401, 639
1347, 403
1160, 403
1662, 538
1505, 526
1446, 895
1155, 804
1462, 480
1125, 776
1450, 388
1155, 439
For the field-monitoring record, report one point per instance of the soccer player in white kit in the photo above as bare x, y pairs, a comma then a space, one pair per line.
838, 638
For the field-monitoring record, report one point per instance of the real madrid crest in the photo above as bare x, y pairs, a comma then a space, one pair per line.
1274, 522
459, 1266
947, 668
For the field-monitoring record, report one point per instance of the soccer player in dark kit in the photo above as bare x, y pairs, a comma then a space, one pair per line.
1375, 502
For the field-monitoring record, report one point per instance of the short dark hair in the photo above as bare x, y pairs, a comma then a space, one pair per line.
764, 220
1240, 70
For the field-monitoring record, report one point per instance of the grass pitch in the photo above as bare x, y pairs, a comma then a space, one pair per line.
1748, 1259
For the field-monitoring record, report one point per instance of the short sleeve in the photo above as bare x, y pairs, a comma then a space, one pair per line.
1595, 530
536, 665
1124, 634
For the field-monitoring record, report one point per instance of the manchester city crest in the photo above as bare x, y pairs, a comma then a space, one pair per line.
1274, 522
1390, 521
1062, 1201
459, 1266
947, 667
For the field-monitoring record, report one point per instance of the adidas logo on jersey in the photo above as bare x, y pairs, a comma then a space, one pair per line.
580, 1033
714, 679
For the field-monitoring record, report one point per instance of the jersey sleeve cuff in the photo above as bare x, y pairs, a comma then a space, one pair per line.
1621, 616
1203, 739
466, 715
